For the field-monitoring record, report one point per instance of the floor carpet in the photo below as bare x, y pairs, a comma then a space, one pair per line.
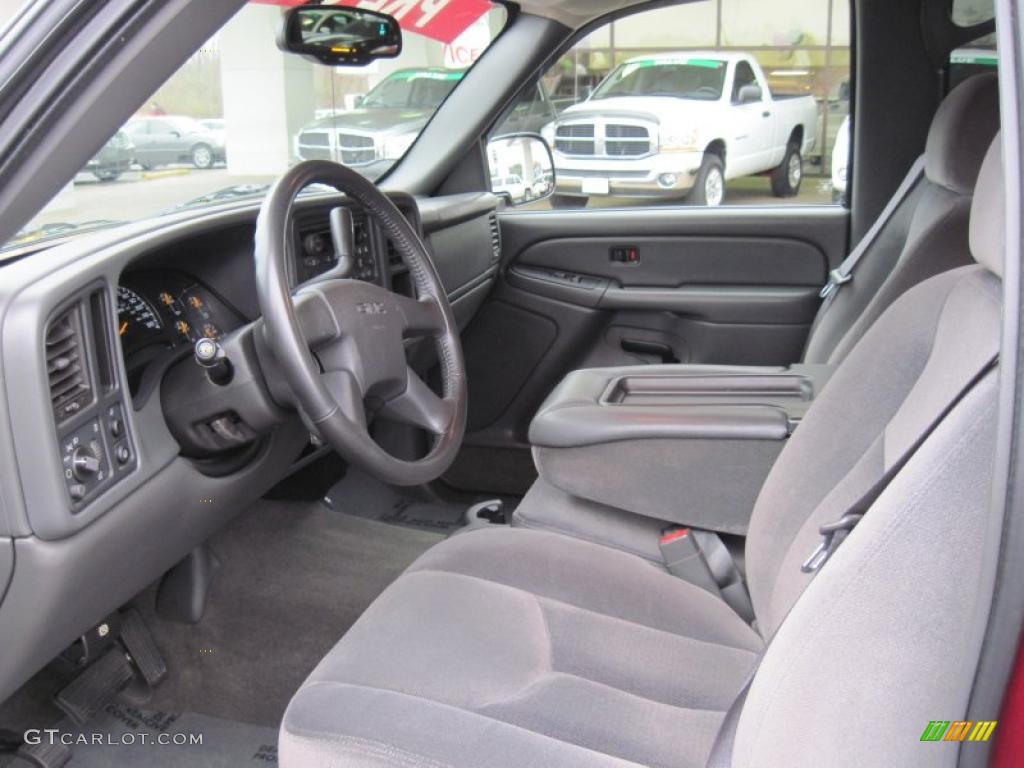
291, 579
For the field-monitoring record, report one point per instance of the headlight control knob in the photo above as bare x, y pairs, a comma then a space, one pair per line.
84, 463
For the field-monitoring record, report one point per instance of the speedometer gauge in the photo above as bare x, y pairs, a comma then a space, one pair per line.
137, 321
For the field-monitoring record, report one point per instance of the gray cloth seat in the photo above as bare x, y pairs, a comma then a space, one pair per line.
526, 641
515, 647
926, 236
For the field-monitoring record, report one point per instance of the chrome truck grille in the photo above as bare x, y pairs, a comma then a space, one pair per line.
601, 138
341, 147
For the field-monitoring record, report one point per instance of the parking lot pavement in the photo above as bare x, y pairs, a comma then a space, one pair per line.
755, 190
139, 194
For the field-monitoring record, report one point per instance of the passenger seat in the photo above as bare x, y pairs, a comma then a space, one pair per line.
925, 234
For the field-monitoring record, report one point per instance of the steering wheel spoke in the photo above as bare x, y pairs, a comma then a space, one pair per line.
347, 393
421, 317
419, 406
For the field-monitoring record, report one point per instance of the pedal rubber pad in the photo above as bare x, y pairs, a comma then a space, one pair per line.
138, 641
92, 690
41, 755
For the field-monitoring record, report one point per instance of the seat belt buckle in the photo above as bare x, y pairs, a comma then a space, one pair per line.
832, 535
683, 557
677, 544
835, 280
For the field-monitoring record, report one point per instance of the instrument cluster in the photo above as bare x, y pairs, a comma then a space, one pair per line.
160, 310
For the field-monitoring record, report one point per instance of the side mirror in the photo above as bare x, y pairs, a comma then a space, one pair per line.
339, 36
521, 167
749, 94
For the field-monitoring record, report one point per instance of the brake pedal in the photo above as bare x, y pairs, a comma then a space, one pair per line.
138, 642
92, 690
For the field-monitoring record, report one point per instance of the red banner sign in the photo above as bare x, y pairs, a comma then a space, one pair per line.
442, 20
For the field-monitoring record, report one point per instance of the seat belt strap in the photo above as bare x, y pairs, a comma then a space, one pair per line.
843, 274
725, 573
833, 534
721, 749
701, 558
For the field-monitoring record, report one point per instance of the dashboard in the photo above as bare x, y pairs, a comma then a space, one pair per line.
162, 311
100, 495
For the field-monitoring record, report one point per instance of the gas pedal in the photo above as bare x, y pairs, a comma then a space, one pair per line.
92, 690
138, 641
41, 755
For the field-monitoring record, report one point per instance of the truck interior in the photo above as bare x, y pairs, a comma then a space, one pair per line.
394, 461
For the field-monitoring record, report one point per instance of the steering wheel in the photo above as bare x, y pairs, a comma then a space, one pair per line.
340, 343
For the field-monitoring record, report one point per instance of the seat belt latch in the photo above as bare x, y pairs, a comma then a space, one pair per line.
836, 279
683, 558
832, 535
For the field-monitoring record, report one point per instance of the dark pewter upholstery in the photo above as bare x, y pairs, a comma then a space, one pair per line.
928, 232
511, 647
927, 235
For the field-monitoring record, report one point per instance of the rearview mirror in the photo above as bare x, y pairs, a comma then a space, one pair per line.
521, 166
339, 36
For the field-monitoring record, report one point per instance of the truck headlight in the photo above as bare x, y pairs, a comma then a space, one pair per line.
548, 134
678, 140
394, 147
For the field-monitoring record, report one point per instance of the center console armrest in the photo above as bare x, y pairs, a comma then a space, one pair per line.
686, 443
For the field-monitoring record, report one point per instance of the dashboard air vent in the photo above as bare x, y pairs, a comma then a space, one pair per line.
495, 238
66, 367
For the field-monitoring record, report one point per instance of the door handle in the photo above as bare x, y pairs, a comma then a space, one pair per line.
766, 114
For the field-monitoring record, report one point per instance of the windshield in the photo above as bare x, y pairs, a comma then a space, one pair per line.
701, 79
240, 112
412, 89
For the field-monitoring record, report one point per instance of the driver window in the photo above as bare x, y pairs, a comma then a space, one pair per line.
647, 113
744, 76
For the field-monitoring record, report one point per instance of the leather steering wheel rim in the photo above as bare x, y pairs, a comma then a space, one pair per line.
338, 342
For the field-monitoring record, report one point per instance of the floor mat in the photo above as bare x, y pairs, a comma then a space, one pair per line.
126, 736
293, 577
360, 495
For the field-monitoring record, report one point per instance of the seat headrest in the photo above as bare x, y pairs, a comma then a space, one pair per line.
988, 212
961, 132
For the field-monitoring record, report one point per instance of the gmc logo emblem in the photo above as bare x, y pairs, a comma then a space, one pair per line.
372, 308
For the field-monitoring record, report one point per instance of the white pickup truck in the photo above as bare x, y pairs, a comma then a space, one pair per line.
677, 124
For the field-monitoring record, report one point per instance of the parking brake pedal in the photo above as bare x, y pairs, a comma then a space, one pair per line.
96, 687
141, 648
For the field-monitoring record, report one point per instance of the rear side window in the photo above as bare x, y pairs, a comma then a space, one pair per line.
723, 102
